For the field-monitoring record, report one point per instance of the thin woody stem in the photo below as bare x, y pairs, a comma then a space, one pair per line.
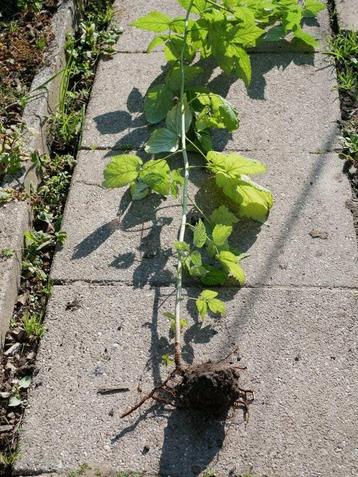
179, 291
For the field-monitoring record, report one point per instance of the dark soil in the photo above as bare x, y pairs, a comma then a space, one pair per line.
211, 388
23, 40
208, 388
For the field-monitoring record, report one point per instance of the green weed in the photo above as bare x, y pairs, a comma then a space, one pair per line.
33, 325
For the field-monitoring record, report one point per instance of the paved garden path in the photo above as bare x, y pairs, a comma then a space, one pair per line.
295, 321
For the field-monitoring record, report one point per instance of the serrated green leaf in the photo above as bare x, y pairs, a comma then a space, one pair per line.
202, 308
199, 234
139, 190
255, 201
275, 33
247, 34
195, 257
173, 119
221, 233
216, 112
222, 215
216, 306
242, 66
122, 170
308, 39
213, 276
208, 294
293, 18
162, 140
156, 41
233, 165
156, 174
231, 263
174, 76
153, 21
312, 7
197, 7
182, 246
157, 103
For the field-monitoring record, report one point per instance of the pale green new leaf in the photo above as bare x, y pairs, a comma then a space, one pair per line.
122, 170
162, 140
153, 21
221, 233
231, 264
157, 103
216, 113
199, 234
207, 299
233, 164
222, 215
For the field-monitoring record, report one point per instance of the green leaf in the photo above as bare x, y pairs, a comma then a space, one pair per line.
242, 64
293, 19
156, 41
233, 165
213, 276
275, 33
197, 7
173, 119
122, 170
222, 215
14, 401
308, 39
162, 140
248, 34
231, 263
155, 173
153, 21
167, 360
25, 382
312, 7
139, 190
216, 112
207, 299
195, 257
174, 76
199, 234
255, 201
221, 233
182, 246
216, 306
157, 103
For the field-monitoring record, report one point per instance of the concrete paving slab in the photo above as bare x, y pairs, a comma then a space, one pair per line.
309, 238
347, 14
300, 349
134, 40
291, 104
14, 220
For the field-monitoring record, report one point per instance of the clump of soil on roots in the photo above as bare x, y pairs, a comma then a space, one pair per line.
208, 388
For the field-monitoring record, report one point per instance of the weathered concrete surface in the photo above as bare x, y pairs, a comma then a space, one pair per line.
283, 108
135, 40
111, 240
14, 220
300, 349
347, 14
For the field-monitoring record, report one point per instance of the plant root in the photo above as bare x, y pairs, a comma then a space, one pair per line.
207, 388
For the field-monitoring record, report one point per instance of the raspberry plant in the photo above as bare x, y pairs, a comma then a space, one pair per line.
186, 111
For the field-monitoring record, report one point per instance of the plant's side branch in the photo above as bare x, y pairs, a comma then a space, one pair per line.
179, 291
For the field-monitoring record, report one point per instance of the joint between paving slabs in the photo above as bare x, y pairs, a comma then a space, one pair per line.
101, 283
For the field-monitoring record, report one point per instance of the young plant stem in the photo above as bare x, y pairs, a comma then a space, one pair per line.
185, 197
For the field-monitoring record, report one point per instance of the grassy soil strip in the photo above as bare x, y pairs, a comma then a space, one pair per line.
18, 361
344, 49
25, 32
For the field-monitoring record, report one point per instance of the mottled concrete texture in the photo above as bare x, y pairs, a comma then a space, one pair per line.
110, 239
347, 14
135, 40
282, 109
300, 349
14, 220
